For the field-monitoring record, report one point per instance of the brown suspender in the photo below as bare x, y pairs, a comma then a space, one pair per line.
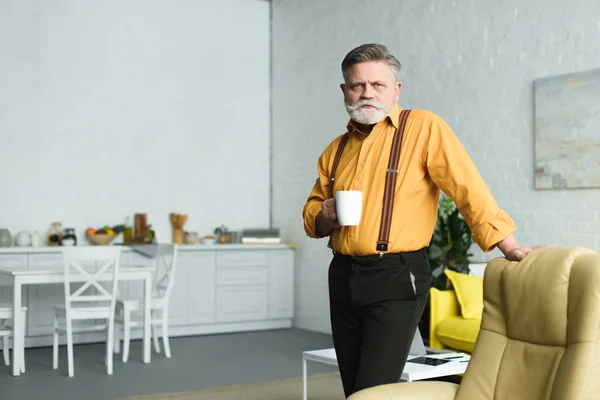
390, 184
336, 161
390, 181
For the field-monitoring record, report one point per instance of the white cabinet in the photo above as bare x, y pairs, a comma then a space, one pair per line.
246, 258
194, 289
242, 286
178, 303
40, 316
241, 303
242, 275
281, 284
135, 289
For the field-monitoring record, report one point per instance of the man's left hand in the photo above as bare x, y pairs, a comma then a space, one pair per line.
518, 253
512, 251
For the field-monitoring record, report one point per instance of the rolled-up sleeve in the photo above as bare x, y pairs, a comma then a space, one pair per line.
318, 194
452, 170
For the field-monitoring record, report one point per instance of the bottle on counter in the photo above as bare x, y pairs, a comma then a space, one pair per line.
54, 236
69, 238
127, 231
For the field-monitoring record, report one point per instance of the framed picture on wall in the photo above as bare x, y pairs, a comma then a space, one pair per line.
567, 131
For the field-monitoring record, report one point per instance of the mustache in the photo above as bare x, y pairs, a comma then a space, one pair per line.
361, 103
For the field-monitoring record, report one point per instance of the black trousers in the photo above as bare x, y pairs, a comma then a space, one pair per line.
374, 314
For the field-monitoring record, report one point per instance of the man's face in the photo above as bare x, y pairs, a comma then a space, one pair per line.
370, 92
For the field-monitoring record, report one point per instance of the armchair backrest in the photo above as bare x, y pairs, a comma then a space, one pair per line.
539, 336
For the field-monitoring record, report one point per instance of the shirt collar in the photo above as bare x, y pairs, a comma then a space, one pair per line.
392, 118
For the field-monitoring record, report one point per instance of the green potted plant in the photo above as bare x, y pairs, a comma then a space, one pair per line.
449, 248
450, 243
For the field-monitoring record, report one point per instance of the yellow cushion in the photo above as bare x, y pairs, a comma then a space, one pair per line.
458, 333
469, 292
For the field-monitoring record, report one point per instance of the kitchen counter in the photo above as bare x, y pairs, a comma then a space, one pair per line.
182, 247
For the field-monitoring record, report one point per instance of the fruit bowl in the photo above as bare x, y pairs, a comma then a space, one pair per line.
101, 238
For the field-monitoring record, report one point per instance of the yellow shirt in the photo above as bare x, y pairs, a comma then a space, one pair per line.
432, 158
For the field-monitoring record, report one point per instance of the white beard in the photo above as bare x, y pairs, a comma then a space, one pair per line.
368, 116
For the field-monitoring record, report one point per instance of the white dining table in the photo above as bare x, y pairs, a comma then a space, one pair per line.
19, 277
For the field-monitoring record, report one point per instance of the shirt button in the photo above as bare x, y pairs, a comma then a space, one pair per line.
362, 164
351, 235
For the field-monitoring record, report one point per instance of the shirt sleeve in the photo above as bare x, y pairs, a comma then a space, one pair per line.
452, 170
318, 194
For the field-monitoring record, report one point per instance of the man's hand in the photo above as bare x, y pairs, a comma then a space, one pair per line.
329, 210
512, 251
518, 253
327, 219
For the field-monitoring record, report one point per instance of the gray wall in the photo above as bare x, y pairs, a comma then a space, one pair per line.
471, 62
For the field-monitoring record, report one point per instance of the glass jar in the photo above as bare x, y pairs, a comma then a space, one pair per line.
54, 236
127, 233
69, 238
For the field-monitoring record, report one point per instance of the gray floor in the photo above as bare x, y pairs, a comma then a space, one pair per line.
197, 362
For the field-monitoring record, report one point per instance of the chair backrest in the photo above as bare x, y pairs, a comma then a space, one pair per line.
539, 336
164, 275
96, 272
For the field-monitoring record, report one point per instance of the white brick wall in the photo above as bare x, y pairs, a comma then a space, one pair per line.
472, 62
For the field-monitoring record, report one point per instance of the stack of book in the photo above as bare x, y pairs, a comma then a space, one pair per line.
261, 236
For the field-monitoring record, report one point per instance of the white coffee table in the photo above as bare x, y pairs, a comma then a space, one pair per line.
412, 371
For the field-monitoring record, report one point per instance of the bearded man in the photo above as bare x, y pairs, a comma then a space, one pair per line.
379, 277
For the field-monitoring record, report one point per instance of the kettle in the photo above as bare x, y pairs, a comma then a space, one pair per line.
5, 238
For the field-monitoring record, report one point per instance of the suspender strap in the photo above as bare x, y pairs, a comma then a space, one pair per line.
390, 184
336, 161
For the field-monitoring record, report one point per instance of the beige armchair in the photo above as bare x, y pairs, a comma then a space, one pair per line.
539, 337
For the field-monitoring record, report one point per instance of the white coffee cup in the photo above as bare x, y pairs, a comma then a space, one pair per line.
348, 207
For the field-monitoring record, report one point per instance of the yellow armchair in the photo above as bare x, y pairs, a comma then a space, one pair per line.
447, 328
539, 336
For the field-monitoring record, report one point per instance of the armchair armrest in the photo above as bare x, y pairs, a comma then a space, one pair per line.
413, 391
443, 304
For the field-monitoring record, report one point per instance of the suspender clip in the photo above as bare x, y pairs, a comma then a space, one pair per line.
382, 247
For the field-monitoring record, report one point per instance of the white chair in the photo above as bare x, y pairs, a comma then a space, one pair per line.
97, 269
128, 310
6, 331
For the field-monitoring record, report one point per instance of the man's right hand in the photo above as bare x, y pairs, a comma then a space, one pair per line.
329, 210
327, 219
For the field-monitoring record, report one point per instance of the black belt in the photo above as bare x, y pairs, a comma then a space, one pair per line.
375, 257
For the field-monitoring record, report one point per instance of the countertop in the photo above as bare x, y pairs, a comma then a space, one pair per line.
182, 247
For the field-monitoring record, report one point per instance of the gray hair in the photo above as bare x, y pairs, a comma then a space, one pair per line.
371, 52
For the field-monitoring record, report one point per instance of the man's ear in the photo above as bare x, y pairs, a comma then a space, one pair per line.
397, 89
343, 87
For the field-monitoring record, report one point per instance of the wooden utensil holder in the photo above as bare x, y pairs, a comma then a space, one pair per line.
177, 236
